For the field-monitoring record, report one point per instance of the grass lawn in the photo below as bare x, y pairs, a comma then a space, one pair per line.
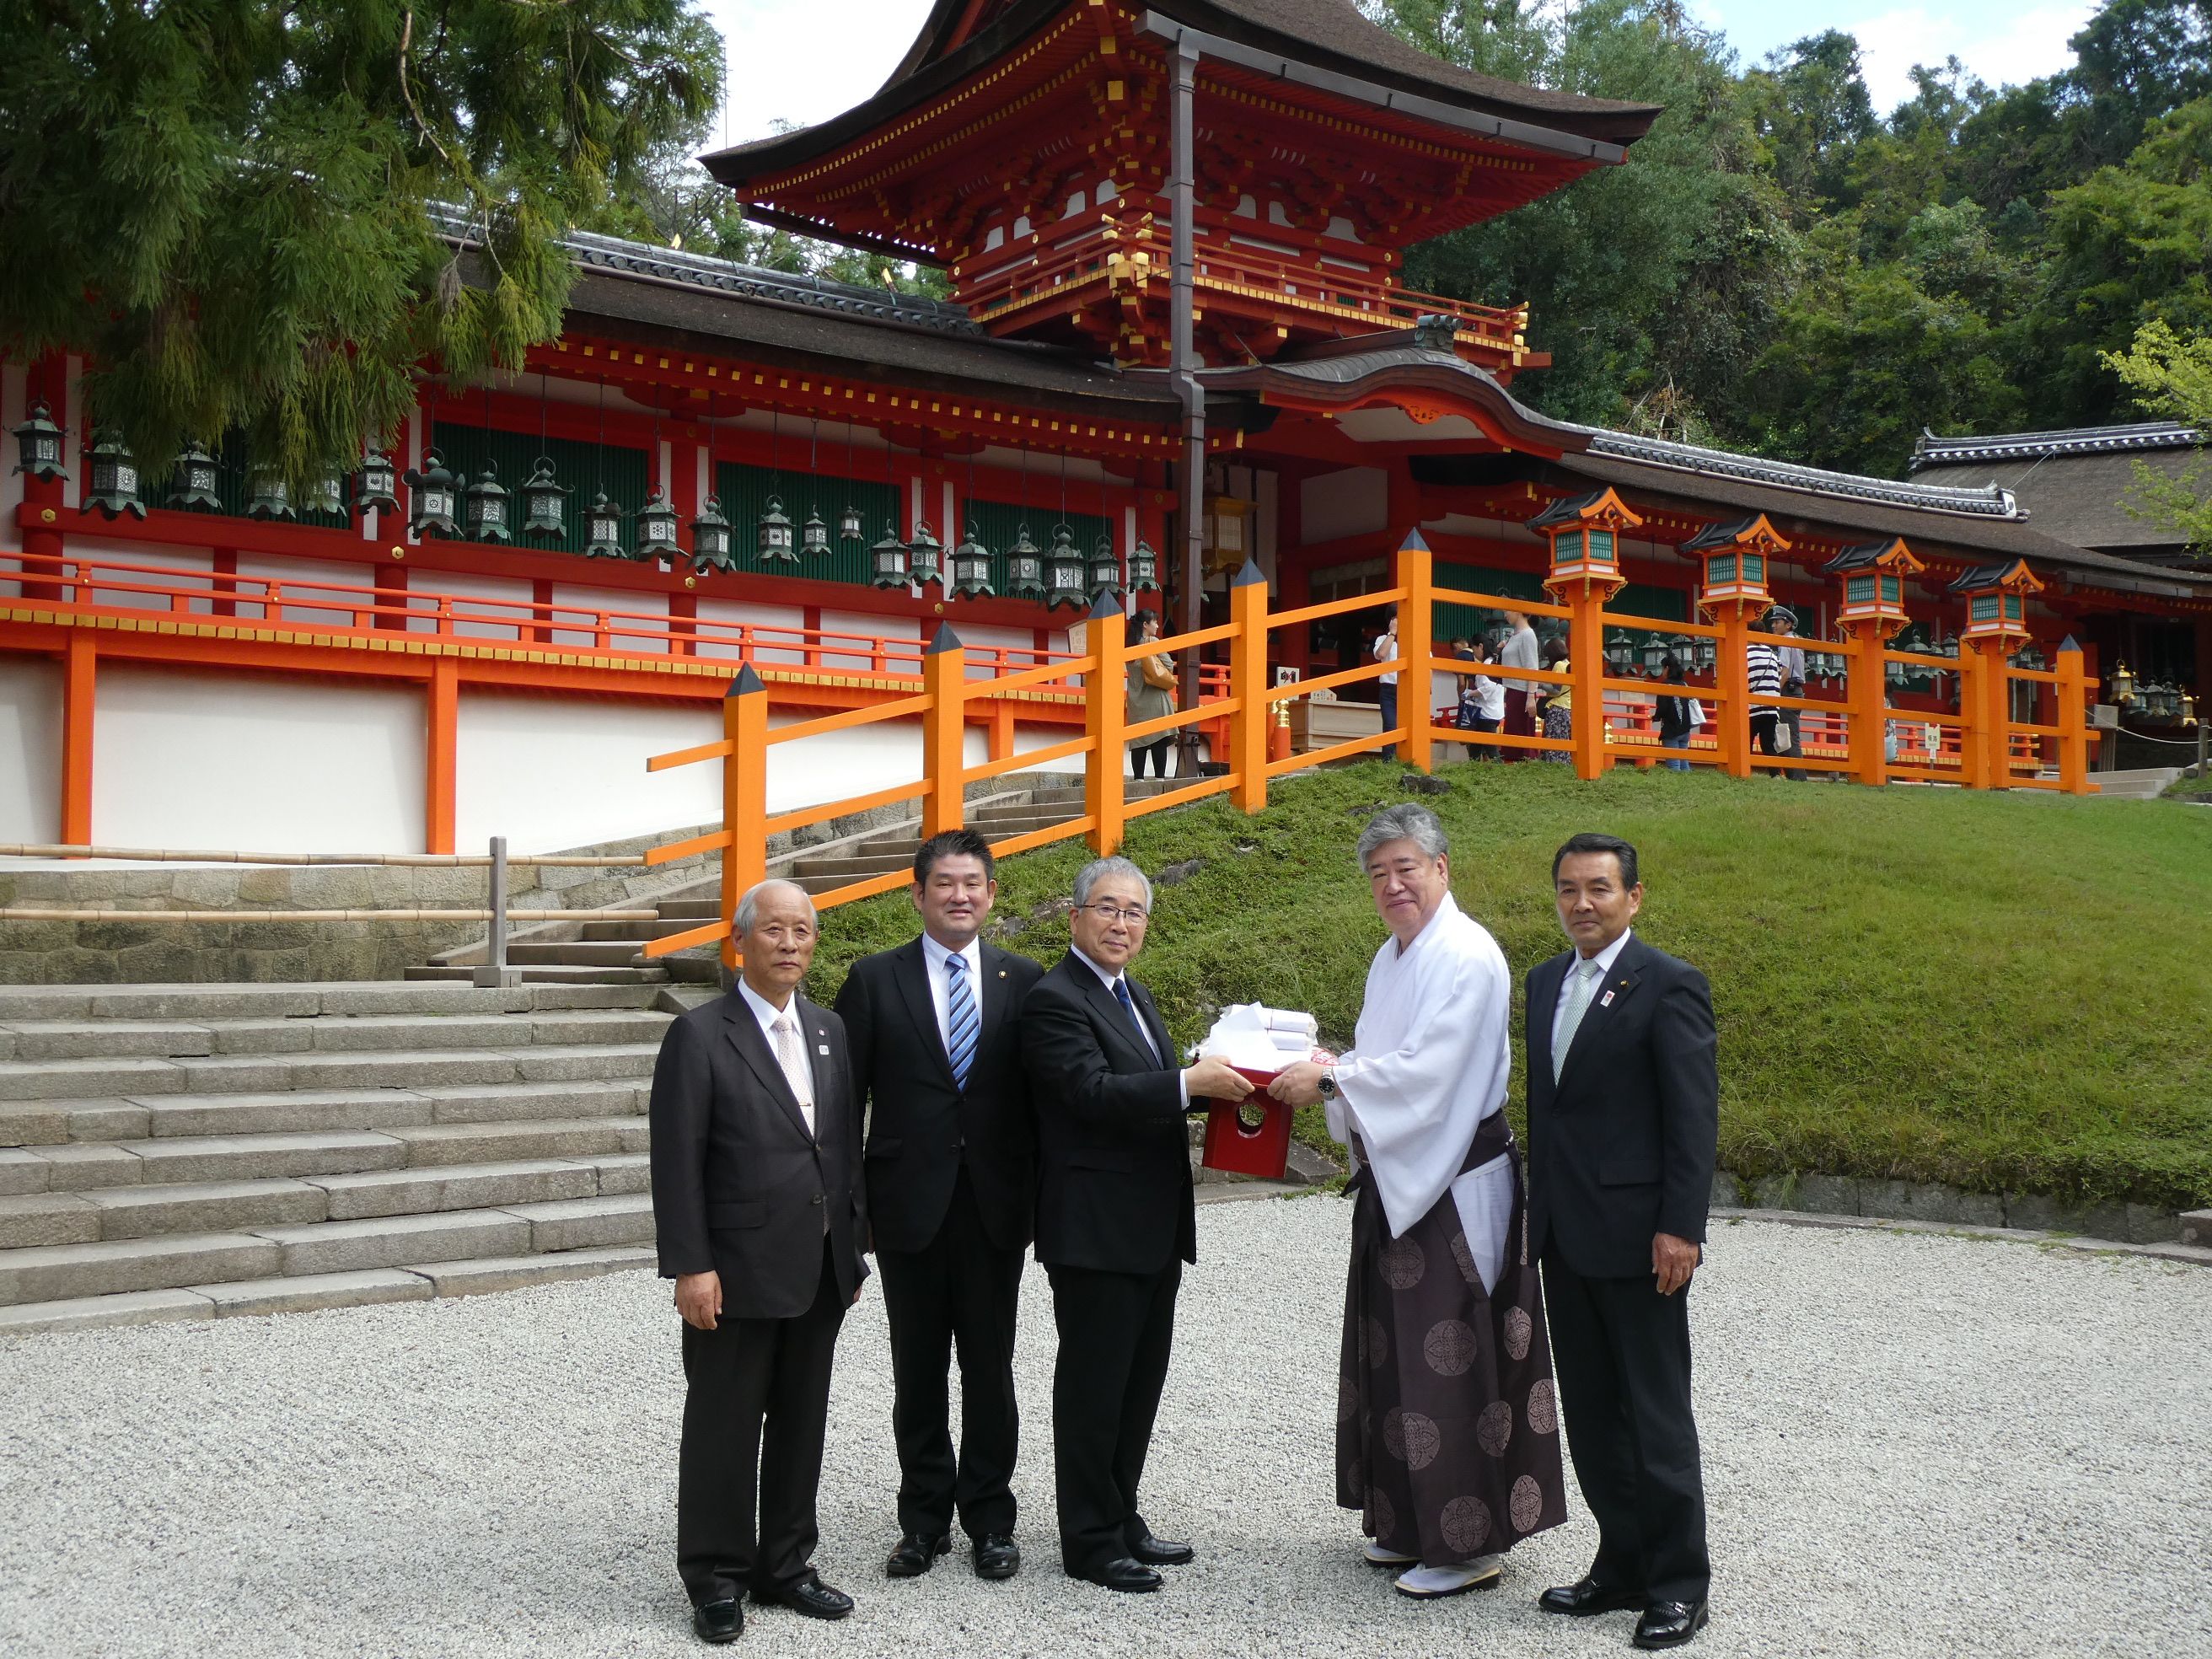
1911, 983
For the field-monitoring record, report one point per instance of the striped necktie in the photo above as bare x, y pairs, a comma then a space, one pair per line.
1578, 1001
962, 1022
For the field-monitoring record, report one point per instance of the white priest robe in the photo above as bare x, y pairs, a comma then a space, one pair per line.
1430, 1061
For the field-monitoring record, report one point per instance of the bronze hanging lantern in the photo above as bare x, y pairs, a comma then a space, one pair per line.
192, 481
377, 484
39, 445
1063, 572
1024, 567
1144, 568
888, 556
772, 534
272, 498
710, 539
971, 567
925, 557
111, 478
484, 507
1105, 571
656, 527
545, 503
814, 536
434, 498
603, 530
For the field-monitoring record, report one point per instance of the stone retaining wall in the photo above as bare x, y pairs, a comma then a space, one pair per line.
1915, 1200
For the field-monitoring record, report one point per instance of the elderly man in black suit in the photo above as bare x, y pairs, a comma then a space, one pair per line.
1115, 1220
1623, 1118
934, 1031
760, 1219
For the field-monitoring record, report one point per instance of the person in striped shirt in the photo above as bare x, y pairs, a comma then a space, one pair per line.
1775, 671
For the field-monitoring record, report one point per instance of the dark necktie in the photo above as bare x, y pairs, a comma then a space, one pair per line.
1129, 1007
961, 1019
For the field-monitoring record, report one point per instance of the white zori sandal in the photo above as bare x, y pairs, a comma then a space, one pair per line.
1426, 1583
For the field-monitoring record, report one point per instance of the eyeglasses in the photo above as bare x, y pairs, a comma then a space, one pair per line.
1116, 912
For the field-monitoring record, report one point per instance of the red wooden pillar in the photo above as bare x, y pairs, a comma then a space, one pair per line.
440, 755
80, 674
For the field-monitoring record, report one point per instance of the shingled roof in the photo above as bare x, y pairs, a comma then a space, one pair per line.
2078, 483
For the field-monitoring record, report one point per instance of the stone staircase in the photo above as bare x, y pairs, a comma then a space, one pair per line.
197, 1151
612, 952
2144, 783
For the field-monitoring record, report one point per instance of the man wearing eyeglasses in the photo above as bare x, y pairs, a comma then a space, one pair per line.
1116, 1218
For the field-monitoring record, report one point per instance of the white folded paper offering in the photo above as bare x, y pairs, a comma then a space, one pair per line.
1255, 1038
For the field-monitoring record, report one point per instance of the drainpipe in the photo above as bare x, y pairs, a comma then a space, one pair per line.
1183, 365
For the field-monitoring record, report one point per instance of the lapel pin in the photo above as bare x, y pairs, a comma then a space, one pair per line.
822, 1048
1605, 1001
1002, 973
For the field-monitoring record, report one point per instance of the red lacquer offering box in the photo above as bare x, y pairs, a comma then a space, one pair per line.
1235, 1147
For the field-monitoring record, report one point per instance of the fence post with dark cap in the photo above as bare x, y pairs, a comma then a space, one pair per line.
1104, 719
1249, 727
744, 799
944, 731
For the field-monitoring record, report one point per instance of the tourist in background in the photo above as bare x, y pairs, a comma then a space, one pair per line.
1559, 700
760, 1218
1488, 703
1519, 650
1790, 730
1772, 671
1624, 1122
1151, 696
1386, 650
1446, 1439
1680, 713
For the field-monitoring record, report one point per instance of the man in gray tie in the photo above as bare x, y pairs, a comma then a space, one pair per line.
1623, 1115
759, 1218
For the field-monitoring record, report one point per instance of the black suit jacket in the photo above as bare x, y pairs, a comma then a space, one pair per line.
1114, 1189
738, 1185
922, 1128
1623, 1146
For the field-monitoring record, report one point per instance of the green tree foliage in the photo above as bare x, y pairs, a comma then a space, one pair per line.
2172, 375
1781, 266
232, 200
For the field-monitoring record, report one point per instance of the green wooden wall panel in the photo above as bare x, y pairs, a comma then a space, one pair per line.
744, 490
584, 469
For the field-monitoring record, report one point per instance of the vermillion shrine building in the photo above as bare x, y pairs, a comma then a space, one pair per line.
553, 573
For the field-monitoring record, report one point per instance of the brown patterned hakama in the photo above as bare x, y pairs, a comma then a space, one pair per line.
1446, 1435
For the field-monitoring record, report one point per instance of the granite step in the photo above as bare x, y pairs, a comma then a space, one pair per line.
289, 1111
549, 975
601, 932
598, 953
194, 1003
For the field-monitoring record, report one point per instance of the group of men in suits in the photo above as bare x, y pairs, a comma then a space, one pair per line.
1006, 1103
958, 1103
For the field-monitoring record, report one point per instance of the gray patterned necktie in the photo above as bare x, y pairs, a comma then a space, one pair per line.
1578, 1001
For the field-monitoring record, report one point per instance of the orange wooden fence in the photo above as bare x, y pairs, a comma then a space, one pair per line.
1992, 751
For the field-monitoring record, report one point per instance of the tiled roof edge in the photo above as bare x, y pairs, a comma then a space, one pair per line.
620, 256
1991, 501
1929, 450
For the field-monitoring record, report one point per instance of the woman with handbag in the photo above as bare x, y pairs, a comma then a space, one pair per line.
1150, 694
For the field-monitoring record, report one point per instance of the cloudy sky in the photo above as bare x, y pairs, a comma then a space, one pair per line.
805, 60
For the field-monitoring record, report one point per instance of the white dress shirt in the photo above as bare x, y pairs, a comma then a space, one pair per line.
802, 1080
1111, 980
1604, 959
935, 956
1386, 647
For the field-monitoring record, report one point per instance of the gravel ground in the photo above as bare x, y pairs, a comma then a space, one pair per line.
1914, 1446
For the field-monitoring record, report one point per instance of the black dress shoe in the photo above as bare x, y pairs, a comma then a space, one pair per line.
997, 1556
913, 1554
809, 1595
1669, 1624
1121, 1575
1162, 1553
718, 1621
1585, 1596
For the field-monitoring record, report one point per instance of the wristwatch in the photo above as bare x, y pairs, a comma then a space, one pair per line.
1328, 1084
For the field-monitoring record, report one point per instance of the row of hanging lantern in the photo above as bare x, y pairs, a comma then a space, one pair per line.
441, 502
2153, 698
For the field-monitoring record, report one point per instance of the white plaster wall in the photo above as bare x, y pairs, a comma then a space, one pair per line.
337, 611
256, 765
500, 622
550, 772
603, 599
861, 621
980, 635
761, 615
30, 748
193, 565
1352, 502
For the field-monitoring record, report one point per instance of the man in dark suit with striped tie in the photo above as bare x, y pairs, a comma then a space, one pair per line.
950, 1164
